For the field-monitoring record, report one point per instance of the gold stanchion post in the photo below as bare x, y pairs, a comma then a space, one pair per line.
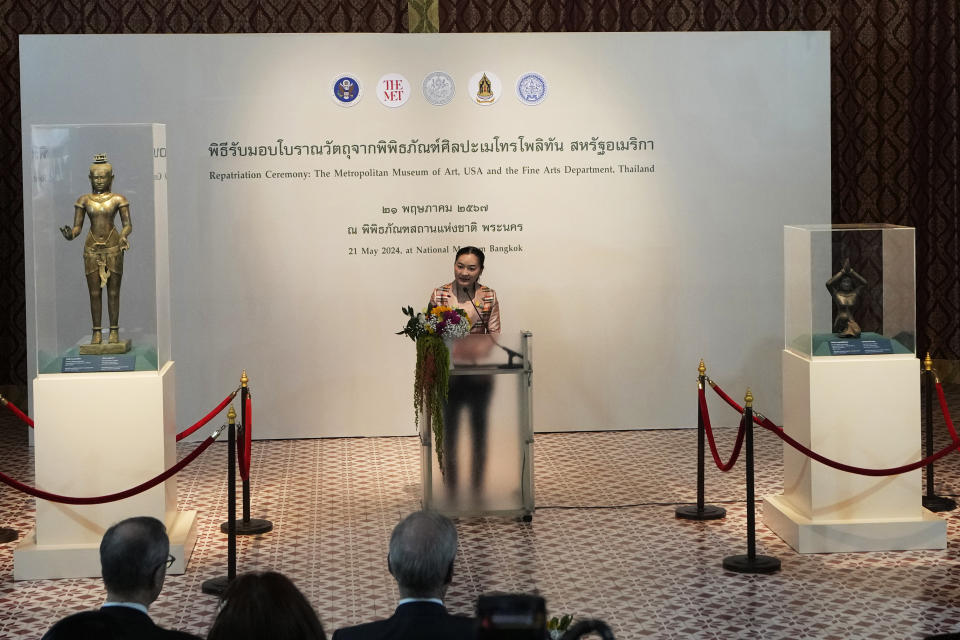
217, 586
931, 500
247, 526
750, 563
700, 511
7, 534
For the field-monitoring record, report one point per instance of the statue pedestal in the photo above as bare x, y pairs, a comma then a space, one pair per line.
104, 348
100, 433
863, 411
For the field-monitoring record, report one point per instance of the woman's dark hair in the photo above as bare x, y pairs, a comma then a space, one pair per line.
265, 605
474, 251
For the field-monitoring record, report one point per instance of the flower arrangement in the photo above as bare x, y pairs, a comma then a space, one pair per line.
430, 329
446, 323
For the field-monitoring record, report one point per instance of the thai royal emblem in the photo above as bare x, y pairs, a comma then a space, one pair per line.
485, 88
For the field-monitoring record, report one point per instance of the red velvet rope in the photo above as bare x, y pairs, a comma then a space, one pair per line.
20, 414
780, 433
723, 466
207, 418
244, 450
180, 436
52, 497
248, 437
767, 424
946, 414
730, 401
241, 440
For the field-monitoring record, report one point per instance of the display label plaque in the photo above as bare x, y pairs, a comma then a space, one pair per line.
866, 347
96, 364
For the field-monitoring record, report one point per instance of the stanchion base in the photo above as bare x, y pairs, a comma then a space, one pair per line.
8, 535
939, 503
215, 586
250, 527
758, 564
709, 512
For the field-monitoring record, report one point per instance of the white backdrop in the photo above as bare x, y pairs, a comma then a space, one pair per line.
625, 278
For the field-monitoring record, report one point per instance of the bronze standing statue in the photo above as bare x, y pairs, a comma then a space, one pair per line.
845, 287
103, 252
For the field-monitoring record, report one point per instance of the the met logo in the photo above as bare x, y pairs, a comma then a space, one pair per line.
393, 90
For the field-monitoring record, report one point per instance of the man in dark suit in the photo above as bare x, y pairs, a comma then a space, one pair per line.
422, 548
134, 557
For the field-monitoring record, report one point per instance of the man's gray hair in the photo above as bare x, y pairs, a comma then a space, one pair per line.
130, 552
422, 549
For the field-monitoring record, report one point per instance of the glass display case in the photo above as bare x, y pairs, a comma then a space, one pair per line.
849, 290
68, 270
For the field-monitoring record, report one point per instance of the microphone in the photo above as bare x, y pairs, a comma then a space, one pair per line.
486, 330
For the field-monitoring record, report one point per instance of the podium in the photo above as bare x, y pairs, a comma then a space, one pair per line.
488, 431
855, 401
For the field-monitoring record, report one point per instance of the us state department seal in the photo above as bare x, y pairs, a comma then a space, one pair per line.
531, 88
346, 90
438, 88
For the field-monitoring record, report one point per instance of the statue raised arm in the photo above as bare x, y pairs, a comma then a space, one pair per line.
845, 287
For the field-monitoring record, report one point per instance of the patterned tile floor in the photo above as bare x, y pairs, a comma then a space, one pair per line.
333, 503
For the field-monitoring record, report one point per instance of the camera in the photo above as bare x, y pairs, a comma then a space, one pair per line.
510, 616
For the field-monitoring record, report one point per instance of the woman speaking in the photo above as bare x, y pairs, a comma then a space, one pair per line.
468, 392
466, 292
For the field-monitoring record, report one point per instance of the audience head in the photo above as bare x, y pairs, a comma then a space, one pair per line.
265, 605
422, 549
133, 559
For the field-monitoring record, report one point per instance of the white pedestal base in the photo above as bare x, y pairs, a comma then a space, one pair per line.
864, 411
34, 562
807, 536
97, 434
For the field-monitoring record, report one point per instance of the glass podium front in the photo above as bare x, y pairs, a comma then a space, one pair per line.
487, 440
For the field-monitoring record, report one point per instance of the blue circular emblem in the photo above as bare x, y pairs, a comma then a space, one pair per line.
346, 90
531, 88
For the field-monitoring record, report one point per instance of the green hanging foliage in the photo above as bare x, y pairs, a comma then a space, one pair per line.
430, 385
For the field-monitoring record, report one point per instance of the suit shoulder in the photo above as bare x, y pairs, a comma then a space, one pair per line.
365, 630
77, 625
112, 622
